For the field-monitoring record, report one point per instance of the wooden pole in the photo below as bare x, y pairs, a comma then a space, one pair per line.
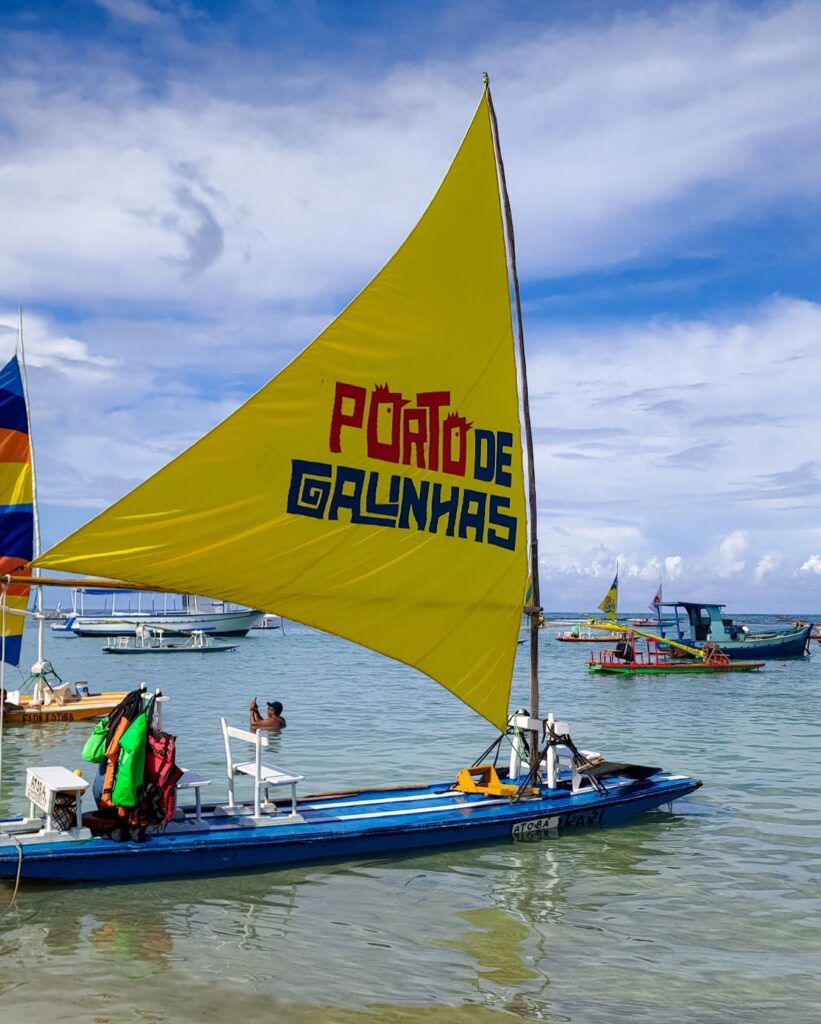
534, 609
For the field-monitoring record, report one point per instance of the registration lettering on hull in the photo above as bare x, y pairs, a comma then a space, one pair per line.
537, 828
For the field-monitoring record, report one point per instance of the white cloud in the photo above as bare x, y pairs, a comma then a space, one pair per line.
68, 356
200, 237
731, 553
111, 191
748, 384
812, 565
766, 565
133, 10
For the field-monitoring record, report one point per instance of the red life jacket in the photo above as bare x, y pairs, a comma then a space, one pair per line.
161, 777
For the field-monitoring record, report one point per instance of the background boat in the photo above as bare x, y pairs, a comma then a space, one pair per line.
268, 622
150, 640
78, 705
642, 654
581, 635
181, 613
697, 623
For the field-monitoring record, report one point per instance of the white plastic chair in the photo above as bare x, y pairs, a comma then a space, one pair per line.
263, 775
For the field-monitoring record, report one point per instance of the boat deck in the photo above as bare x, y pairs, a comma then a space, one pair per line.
630, 657
79, 710
340, 825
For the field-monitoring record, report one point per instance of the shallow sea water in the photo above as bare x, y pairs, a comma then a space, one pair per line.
706, 913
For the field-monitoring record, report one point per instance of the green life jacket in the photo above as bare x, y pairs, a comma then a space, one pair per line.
94, 750
131, 763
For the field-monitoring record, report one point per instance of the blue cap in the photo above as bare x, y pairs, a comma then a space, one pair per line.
276, 706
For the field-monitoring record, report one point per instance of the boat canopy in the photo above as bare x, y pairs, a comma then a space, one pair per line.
688, 604
706, 621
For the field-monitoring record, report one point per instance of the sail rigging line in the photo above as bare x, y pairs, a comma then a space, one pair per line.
534, 608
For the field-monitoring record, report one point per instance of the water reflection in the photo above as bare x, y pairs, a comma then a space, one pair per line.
142, 941
701, 915
485, 929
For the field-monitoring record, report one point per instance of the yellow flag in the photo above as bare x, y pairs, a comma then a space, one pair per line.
374, 487
609, 602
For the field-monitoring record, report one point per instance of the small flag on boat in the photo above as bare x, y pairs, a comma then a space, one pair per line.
610, 600
16, 504
656, 602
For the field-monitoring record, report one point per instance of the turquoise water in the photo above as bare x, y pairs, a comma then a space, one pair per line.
709, 913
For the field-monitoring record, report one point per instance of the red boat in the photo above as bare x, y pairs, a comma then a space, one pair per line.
626, 659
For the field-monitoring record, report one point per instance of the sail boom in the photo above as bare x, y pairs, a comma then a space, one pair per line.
76, 583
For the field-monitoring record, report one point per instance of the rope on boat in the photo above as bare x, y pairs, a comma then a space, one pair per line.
13, 838
497, 744
19, 846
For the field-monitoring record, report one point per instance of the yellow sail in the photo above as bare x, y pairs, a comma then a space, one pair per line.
374, 487
609, 603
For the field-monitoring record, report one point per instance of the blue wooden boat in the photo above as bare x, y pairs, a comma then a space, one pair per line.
697, 623
339, 827
394, 515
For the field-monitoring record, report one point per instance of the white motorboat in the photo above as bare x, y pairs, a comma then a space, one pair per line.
220, 623
177, 613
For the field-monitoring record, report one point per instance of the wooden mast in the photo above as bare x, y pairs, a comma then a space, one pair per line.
534, 608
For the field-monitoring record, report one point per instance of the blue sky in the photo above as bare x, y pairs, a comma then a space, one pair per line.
189, 191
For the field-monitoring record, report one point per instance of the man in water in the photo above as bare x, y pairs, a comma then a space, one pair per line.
273, 720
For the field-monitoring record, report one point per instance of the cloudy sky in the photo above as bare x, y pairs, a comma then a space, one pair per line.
190, 190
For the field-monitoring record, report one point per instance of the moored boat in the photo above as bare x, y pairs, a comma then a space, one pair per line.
629, 658
327, 826
268, 622
156, 641
74, 705
581, 635
393, 515
696, 624
222, 623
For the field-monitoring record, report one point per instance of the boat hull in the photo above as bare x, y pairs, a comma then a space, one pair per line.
674, 668
171, 649
339, 828
583, 639
788, 645
81, 710
214, 623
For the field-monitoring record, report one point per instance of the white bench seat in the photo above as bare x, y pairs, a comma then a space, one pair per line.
195, 781
270, 774
264, 775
